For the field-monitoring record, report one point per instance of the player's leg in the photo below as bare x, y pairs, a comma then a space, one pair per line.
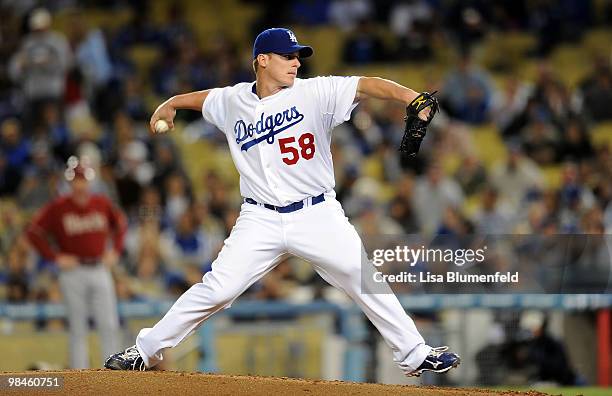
74, 292
104, 308
323, 235
253, 248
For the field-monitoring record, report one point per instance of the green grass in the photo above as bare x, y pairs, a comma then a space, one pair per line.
586, 391
570, 391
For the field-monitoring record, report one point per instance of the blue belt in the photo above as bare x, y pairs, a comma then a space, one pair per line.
289, 208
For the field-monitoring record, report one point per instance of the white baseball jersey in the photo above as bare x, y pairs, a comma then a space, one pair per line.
281, 147
281, 144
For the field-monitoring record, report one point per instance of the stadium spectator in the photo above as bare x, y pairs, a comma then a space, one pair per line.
434, 193
346, 14
372, 222
412, 24
550, 94
455, 224
41, 64
468, 21
449, 137
277, 285
46, 290
178, 197
12, 221
390, 162
607, 214
186, 68
603, 162
20, 268
346, 182
535, 218
150, 208
14, 155
515, 178
218, 200
93, 61
471, 175
123, 286
80, 225
15, 147
55, 131
365, 131
148, 253
190, 245
133, 96
545, 20
468, 92
310, 12
140, 29
549, 102
401, 208
575, 145
597, 92
510, 101
167, 162
542, 346
39, 183
208, 225
147, 283
574, 199
176, 27
491, 218
363, 45
133, 172
10, 177
541, 141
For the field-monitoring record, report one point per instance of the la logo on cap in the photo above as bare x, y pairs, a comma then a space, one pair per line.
292, 36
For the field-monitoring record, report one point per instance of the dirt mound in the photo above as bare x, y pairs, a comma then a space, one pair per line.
107, 382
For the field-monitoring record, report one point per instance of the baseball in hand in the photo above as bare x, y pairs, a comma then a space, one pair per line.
161, 126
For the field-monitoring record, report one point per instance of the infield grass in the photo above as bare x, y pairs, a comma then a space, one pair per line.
571, 391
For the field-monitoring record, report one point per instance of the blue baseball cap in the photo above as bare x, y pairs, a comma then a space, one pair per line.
279, 41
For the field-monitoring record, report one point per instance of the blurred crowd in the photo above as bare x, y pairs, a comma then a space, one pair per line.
77, 92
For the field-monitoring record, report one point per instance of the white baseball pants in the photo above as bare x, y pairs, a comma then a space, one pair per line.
319, 233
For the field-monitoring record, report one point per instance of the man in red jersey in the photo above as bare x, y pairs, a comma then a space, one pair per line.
73, 231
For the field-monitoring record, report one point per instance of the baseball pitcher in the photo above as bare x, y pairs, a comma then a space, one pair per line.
278, 130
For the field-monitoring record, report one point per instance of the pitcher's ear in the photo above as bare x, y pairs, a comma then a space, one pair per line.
263, 59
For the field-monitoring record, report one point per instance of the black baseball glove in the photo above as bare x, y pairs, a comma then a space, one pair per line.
416, 128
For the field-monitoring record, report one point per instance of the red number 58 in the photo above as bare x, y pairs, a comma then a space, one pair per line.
306, 144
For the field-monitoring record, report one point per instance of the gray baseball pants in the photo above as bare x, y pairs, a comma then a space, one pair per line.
90, 290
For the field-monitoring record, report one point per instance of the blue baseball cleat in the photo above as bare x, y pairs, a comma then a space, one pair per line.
129, 359
438, 361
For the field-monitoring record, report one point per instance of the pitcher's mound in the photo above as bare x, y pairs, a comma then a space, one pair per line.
108, 382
